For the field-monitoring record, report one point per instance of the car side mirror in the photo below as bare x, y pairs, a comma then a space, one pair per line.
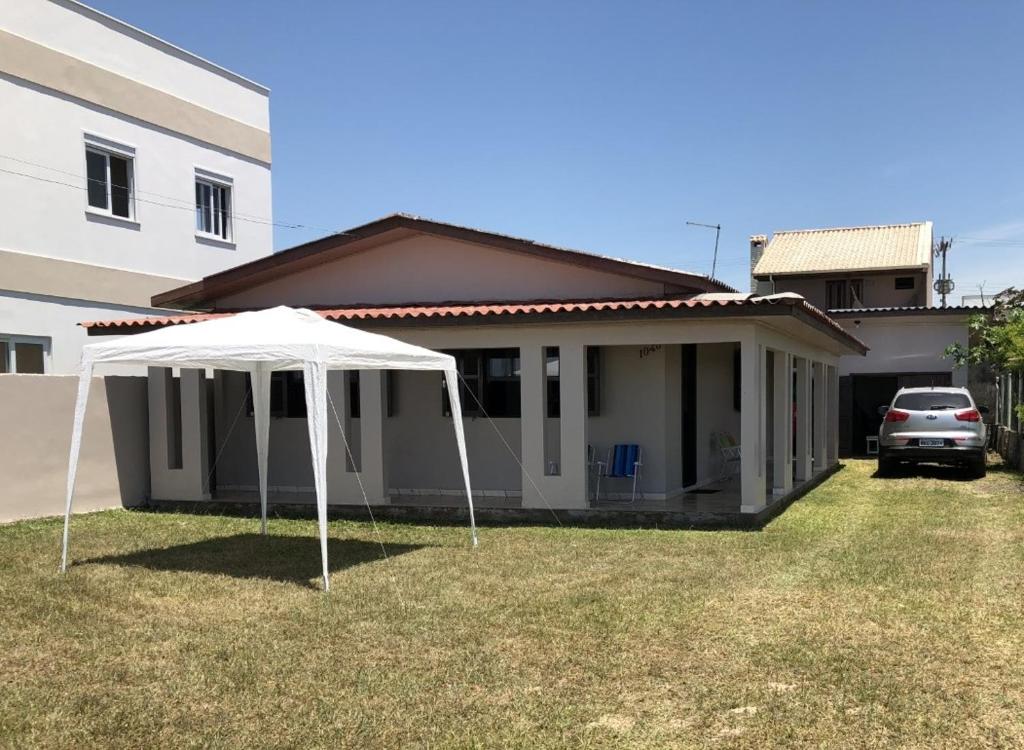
882, 410
983, 409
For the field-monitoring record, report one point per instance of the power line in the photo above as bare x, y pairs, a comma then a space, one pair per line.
186, 205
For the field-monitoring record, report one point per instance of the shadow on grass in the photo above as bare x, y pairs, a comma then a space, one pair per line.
289, 559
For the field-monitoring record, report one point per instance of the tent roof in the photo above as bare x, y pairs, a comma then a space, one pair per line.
281, 338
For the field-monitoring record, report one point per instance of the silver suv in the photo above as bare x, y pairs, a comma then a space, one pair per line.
932, 425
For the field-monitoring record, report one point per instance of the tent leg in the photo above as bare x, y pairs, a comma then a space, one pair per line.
452, 382
315, 376
84, 381
261, 419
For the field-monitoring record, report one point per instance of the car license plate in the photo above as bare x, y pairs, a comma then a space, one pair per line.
931, 442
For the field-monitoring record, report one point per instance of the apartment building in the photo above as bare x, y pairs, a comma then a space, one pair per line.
128, 167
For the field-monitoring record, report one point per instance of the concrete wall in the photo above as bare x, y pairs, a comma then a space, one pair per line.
108, 43
906, 344
425, 268
879, 289
51, 220
640, 403
38, 411
57, 318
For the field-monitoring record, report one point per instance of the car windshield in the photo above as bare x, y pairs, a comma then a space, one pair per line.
932, 401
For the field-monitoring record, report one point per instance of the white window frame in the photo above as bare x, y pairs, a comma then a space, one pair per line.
107, 148
12, 340
217, 182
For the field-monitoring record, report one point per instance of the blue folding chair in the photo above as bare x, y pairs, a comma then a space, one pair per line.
626, 461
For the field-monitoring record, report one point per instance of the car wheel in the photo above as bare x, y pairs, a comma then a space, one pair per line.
977, 468
886, 467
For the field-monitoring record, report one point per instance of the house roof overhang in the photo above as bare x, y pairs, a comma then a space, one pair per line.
557, 311
954, 311
202, 293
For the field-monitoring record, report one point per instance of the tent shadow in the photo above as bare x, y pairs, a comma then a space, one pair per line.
288, 559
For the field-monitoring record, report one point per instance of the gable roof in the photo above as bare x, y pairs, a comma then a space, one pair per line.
358, 239
871, 248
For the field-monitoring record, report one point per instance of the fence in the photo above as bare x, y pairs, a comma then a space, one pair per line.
34, 443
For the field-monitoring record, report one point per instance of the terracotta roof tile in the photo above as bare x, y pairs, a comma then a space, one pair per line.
495, 309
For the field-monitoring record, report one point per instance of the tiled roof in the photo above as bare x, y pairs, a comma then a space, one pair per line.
336, 246
908, 310
451, 312
847, 249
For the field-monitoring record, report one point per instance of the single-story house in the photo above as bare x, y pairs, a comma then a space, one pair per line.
563, 356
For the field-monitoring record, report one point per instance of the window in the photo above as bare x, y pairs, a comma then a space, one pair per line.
856, 293
932, 401
843, 294
28, 355
490, 377
287, 395
835, 294
110, 181
553, 371
904, 282
213, 208
737, 379
352, 389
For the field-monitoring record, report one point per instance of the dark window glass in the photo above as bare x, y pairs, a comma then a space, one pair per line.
856, 293
835, 294
489, 377
352, 380
552, 380
287, 395
96, 174
932, 401
737, 383
29, 358
593, 381
120, 187
904, 282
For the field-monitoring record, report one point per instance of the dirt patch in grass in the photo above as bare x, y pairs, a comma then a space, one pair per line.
873, 613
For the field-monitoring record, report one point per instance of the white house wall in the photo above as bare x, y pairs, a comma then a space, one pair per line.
640, 402
906, 344
115, 46
427, 268
57, 318
48, 129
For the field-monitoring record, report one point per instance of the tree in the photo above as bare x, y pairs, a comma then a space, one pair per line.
996, 337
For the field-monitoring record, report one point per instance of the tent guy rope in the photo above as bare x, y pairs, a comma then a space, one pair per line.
261, 343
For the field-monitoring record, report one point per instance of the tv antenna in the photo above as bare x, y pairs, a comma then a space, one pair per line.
718, 231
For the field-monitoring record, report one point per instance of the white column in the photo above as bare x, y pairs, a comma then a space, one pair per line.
190, 481
568, 489
752, 424
782, 420
371, 436
803, 469
531, 424
833, 415
573, 404
820, 432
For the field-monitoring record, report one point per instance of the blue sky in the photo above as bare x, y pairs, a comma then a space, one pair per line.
606, 126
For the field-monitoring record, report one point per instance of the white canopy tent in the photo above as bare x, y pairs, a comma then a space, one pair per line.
260, 343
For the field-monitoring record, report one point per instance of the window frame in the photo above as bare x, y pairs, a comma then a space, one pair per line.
215, 182
12, 340
553, 382
476, 383
107, 149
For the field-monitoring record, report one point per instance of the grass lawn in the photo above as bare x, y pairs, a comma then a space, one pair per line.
872, 613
